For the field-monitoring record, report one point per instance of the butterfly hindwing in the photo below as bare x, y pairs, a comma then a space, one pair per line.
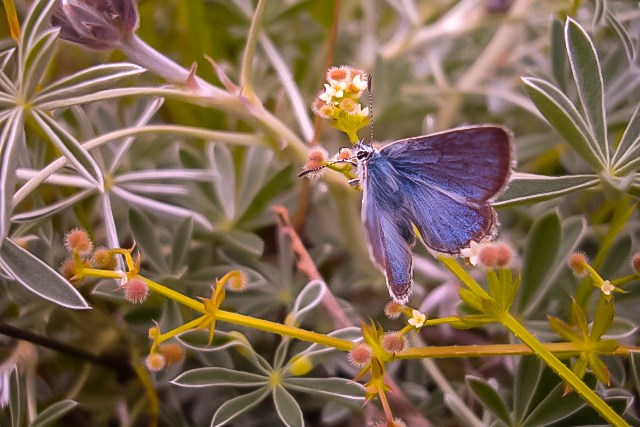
389, 234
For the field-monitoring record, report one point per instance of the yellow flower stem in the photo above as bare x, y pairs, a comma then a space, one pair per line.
441, 321
538, 348
621, 281
193, 324
564, 349
290, 331
406, 329
176, 296
562, 370
597, 279
106, 274
464, 277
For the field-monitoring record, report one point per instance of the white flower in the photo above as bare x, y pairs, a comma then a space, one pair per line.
471, 252
359, 111
607, 287
417, 319
359, 83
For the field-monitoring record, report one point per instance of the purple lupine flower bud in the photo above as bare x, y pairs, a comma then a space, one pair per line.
97, 24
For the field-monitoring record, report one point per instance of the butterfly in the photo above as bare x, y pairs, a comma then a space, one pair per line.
442, 183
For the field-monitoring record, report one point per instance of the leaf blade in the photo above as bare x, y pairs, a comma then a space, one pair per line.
565, 118
38, 277
587, 73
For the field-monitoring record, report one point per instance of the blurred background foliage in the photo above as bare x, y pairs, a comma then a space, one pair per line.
435, 65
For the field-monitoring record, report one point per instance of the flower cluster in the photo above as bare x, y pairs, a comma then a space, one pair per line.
340, 100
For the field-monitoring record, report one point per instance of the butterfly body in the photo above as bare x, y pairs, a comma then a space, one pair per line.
442, 184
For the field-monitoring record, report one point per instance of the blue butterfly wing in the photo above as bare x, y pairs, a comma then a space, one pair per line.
470, 162
389, 232
448, 180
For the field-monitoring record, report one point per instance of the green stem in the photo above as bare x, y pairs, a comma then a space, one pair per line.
562, 370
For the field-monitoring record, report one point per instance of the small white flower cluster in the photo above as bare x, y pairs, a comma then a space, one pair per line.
342, 91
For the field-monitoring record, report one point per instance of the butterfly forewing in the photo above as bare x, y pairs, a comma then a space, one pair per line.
471, 162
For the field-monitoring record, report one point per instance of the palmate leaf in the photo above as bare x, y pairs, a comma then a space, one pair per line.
53, 413
35, 23
73, 151
87, 81
287, 407
36, 62
38, 277
209, 377
587, 74
328, 387
489, 397
558, 109
539, 255
237, 406
527, 188
626, 158
11, 136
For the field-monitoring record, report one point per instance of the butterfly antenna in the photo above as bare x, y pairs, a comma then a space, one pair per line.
369, 86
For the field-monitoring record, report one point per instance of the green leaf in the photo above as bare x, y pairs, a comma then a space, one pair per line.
471, 299
245, 240
539, 255
573, 230
579, 319
599, 369
36, 62
17, 398
12, 136
634, 359
308, 298
627, 155
602, 318
181, 243
489, 397
527, 188
35, 23
255, 168
562, 328
38, 277
146, 236
585, 66
565, 118
225, 185
209, 377
237, 406
89, 80
554, 408
53, 413
74, 152
558, 54
329, 387
287, 408
623, 35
